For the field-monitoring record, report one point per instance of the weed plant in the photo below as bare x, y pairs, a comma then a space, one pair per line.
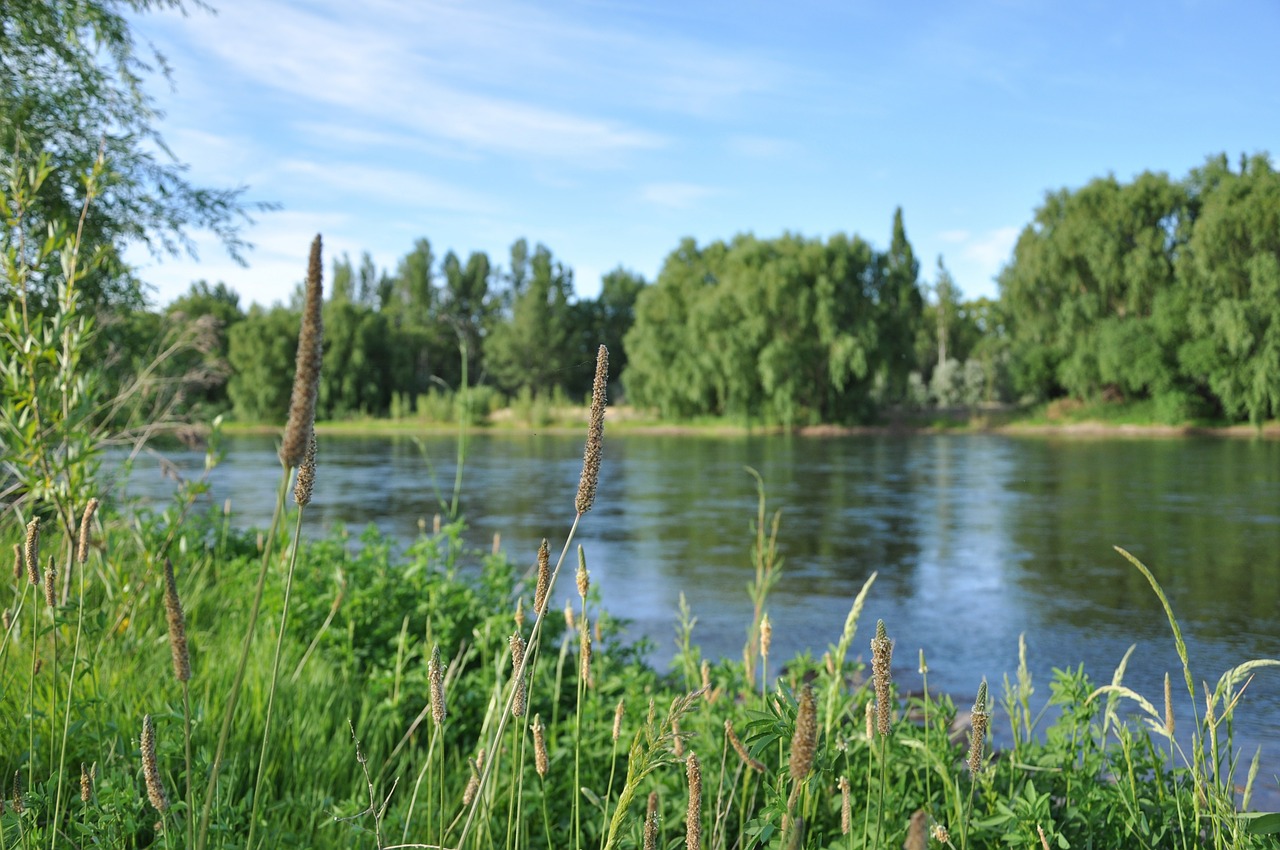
168, 682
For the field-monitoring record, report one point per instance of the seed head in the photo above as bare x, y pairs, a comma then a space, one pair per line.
805, 740
693, 817
706, 678
87, 775
520, 701
435, 675
766, 635
150, 771
519, 615
846, 810
617, 719
584, 580
940, 834
32, 551
651, 823
978, 735
177, 625
592, 454
306, 480
86, 525
51, 585
569, 622
881, 656
677, 741
306, 376
17, 561
544, 580
871, 719
741, 749
1168, 708
540, 760
584, 654
473, 782
19, 806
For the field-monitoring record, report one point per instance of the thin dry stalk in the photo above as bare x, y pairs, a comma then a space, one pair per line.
306, 378
593, 453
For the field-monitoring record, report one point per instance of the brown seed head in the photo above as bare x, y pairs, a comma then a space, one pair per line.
177, 625
846, 809
540, 760
693, 817
19, 806
306, 480
51, 585
306, 376
981, 718
741, 749
593, 452
520, 701
150, 771
584, 580
1168, 707
17, 561
805, 740
651, 823
31, 553
86, 525
544, 580
87, 775
617, 719
584, 654
435, 675
473, 782
881, 657
569, 622
766, 635
6, 618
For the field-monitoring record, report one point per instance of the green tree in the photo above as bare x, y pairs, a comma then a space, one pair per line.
900, 309
533, 349
261, 351
71, 81
205, 314
1230, 276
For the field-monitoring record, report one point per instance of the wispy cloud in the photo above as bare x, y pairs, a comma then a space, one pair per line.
494, 80
992, 249
675, 195
401, 187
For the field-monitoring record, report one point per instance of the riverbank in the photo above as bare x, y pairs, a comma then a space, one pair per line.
1063, 418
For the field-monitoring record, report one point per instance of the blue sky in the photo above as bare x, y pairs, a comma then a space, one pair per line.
610, 130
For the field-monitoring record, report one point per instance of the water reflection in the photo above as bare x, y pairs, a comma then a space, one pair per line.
976, 539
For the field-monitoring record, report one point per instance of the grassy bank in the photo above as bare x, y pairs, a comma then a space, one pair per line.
1060, 417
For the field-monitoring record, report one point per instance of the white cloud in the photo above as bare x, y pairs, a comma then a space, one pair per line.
992, 249
405, 188
675, 195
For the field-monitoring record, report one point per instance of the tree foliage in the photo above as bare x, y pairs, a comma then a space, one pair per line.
71, 82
